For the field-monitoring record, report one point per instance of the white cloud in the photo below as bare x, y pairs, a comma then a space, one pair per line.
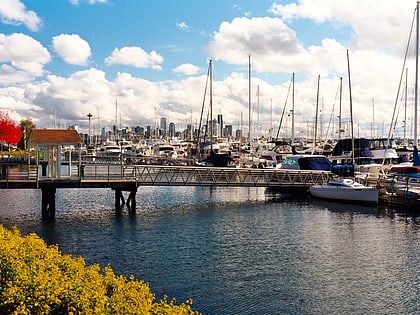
375, 24
73, 49
69, 99
182, 26
81, 86
10, 75
187, 69
269, 38
16, 99
77, 2
23, 53
135, 56
14, 12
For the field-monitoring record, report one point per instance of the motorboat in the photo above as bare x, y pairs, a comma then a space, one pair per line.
306, 162
109, 150
346, 189
407, 184
166, 150
277, 154
408, 188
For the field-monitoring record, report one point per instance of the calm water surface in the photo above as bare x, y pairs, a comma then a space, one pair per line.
238, 250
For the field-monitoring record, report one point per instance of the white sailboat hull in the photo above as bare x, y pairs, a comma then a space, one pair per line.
345, 194
345, 190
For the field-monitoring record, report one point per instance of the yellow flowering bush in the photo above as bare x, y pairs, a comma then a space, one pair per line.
38, 279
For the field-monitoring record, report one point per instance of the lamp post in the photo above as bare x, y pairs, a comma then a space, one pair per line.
89, 116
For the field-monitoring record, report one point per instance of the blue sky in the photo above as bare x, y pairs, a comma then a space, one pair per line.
61, 59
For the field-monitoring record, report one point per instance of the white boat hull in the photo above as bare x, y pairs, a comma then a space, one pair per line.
408, 193
349, 194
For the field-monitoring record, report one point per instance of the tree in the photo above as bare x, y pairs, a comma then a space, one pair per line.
9, 132
26, 125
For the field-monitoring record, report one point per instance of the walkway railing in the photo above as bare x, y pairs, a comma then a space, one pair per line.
129, 177
158, 175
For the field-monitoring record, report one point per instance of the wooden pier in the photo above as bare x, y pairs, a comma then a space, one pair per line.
128, 178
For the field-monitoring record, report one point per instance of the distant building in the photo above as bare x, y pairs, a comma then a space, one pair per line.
228, 131
172, 131
163, 126
124, 133
139, 131
220, 125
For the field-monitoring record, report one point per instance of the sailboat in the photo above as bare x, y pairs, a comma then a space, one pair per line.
346, 189
408, 176
213, 157
416, 157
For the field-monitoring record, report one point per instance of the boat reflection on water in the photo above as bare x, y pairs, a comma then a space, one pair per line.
277, 194
378, 210
408, 214
340, 207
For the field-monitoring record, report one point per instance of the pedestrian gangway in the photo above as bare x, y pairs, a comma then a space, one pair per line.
159, 175
128, 178
101, 174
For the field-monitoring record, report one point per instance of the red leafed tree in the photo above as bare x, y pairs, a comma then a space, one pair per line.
9, 132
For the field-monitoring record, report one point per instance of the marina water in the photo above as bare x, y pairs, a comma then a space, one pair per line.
238, 250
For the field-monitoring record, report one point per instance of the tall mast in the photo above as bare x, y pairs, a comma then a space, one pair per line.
417, 75
211, 104
191, 127
373, 119
339, 113
271, 119
316, 115
405, 107
351, 108
416, 158
293, 108
116, 120
258, 110
249, 99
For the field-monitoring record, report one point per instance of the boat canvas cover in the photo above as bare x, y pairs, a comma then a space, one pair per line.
218, 159
344, 170
315, 163
361, 146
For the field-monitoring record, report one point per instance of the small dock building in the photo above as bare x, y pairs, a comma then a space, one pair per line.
49, 145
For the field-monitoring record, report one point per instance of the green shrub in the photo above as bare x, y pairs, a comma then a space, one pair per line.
38, 279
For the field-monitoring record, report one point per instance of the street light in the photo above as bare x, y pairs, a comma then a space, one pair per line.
89, 116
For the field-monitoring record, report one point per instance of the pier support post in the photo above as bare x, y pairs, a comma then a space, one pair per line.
48, 203
131, 199
119, 199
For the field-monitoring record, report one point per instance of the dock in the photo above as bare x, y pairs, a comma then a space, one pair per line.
128, 178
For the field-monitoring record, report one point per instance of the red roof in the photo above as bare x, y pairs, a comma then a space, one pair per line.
54, 136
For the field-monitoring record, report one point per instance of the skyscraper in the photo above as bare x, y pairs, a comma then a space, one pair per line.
163, 127
220, 124
171, 130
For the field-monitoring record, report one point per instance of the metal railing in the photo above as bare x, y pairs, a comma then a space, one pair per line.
160, 175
